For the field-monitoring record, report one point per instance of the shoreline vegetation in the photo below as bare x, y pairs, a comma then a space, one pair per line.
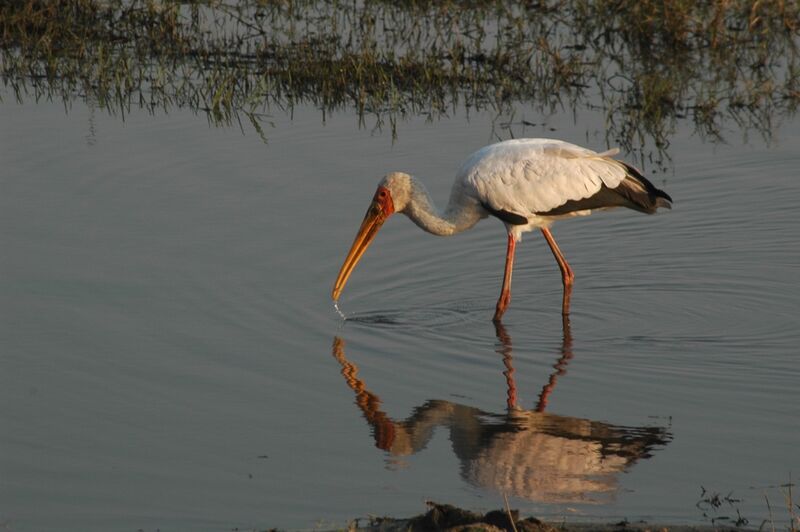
453, 519
723, 67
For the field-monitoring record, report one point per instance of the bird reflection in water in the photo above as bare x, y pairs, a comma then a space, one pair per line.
526, 453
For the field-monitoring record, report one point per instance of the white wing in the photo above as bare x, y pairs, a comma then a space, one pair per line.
530, 176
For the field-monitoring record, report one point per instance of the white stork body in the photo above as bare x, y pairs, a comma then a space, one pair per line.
526, 183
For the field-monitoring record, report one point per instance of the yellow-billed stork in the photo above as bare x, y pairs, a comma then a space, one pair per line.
526, 183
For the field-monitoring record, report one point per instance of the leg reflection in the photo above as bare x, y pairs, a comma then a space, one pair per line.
560, 367
505, 350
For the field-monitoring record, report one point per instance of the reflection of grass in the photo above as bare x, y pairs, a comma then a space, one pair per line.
711, 504
647, 63
717, 508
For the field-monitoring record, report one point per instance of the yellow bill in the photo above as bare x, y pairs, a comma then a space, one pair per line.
379, 210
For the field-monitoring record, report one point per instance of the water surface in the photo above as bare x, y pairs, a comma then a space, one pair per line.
171, 357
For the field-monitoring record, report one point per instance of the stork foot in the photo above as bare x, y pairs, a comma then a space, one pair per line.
502, 305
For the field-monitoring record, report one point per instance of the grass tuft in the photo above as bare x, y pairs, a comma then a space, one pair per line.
648, 65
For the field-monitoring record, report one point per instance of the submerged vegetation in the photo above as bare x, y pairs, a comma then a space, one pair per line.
646, 64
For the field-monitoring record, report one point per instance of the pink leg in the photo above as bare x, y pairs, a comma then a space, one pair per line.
567, 277
505, 293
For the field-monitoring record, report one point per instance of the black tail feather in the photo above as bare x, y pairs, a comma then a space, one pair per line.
655, 196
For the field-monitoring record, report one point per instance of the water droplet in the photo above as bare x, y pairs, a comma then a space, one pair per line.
336, 306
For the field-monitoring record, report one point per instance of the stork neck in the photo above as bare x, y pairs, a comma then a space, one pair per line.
457, 217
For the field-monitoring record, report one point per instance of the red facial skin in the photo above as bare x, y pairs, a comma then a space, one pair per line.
384, 198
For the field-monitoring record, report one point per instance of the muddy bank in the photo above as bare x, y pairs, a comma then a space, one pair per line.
453, 519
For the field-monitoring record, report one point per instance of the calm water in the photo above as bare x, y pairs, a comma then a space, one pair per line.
171, 358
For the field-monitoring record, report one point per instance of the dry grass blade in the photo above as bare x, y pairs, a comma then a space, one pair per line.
508, 511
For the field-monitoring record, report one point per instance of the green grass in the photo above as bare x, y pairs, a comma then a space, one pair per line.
648, 65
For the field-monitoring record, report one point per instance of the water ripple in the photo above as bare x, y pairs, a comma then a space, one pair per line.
428, 317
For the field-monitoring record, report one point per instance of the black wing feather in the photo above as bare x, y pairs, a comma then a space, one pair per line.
507, 216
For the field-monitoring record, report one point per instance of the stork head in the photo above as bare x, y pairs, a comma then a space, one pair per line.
393, 194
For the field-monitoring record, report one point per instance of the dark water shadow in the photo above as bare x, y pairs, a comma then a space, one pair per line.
429, 317
376, 319
528, 453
